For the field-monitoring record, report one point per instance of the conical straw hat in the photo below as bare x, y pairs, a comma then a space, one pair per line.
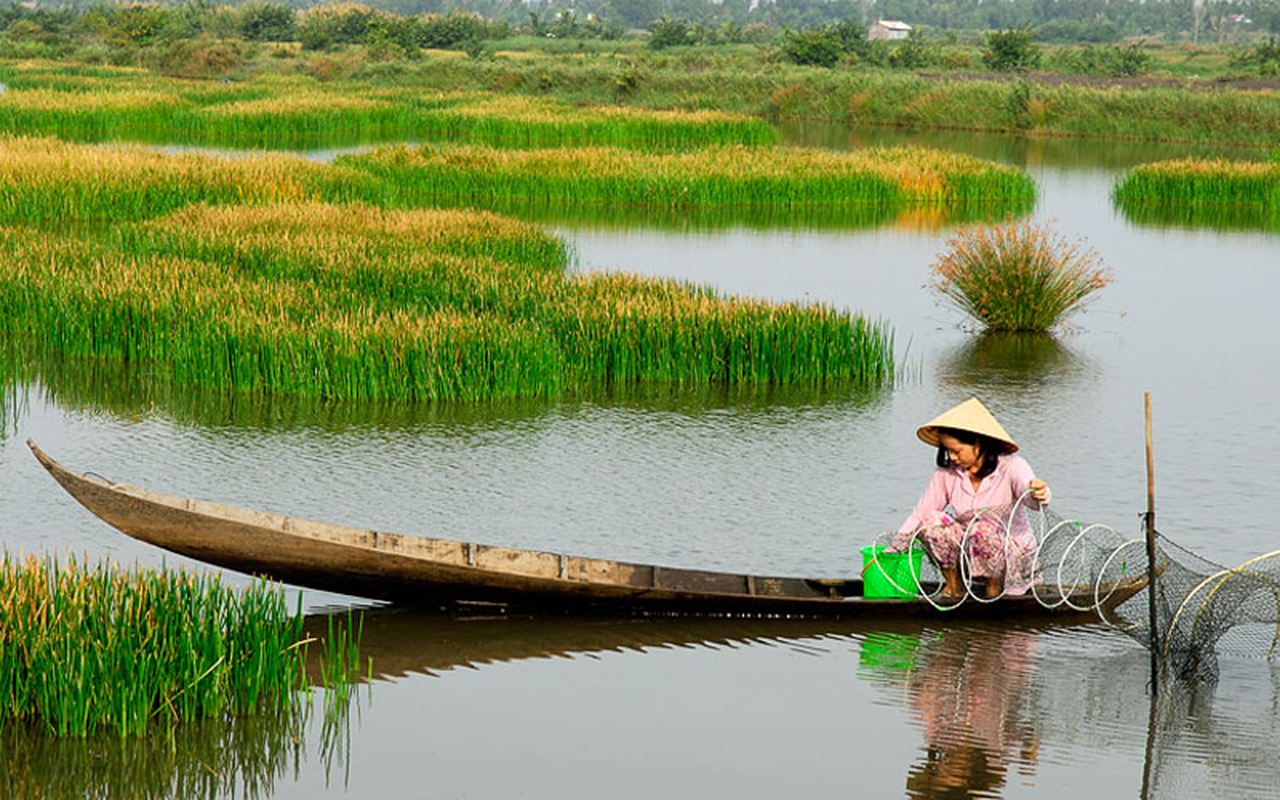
971, 415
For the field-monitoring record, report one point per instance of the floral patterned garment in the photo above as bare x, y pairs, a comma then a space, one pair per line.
951, 502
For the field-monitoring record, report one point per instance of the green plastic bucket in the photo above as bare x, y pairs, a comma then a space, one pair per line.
880, 568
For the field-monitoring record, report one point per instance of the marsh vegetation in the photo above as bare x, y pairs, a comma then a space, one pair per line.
1017, 277
286, 293
723, 176
89, 648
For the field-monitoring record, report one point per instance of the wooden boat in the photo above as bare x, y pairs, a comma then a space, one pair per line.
425, 571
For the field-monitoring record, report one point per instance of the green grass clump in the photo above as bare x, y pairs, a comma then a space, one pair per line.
354, 302
1202, 182
50, 181
282, 293
87, 648
1212, 193
1017, 277
279, 111
711, 177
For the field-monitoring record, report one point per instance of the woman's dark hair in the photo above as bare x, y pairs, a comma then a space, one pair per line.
988, 447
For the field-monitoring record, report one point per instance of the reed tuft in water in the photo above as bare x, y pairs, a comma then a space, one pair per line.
716, 176
1202, 182
91, 648
1017, 277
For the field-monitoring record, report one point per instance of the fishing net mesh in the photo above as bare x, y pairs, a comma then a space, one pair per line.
1203, 610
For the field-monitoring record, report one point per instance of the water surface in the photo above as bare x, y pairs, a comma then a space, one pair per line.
780, 481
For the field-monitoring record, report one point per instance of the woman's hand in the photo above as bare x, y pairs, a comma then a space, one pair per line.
1039, 491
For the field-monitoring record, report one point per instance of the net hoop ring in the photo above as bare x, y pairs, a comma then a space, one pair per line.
966, 573
1038, 566
1062, 588
1100, 602
1222, 576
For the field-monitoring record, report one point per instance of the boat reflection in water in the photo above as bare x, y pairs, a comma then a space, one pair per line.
405, 641
998, 709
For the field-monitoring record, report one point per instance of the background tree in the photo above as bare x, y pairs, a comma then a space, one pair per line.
267, 22
1011, 50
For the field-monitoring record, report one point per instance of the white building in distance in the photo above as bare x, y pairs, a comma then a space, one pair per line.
888, 29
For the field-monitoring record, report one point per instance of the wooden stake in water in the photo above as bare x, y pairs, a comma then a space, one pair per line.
1151, 549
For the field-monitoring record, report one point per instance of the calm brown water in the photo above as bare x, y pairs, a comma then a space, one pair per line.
778, 481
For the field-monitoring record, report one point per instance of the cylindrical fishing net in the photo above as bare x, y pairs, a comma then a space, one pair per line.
1202, 610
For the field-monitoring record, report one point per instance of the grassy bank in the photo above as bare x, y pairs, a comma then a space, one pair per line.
1214, 193
712, 177
690, 98
105, 103
297, 296
48, 181
88, 648
865, 96
134, 390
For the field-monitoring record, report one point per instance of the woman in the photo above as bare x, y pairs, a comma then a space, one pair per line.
977, 476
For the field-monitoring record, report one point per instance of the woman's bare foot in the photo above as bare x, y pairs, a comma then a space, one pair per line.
994, 587
953, 587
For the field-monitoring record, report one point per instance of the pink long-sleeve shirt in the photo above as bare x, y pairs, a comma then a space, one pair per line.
950, 486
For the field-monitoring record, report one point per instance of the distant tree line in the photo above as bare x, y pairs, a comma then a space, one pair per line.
811, 31
142, 25
1055, 20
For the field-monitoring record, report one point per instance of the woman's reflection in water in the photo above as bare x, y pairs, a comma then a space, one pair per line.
967, 694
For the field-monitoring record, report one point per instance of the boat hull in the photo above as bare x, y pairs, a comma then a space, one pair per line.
426, 571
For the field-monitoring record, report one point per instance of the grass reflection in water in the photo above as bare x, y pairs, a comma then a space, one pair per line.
1014, 360
134, 391
242, 756
1210, 217
1209, 193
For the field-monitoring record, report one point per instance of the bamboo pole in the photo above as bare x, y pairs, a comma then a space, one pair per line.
1151, 550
